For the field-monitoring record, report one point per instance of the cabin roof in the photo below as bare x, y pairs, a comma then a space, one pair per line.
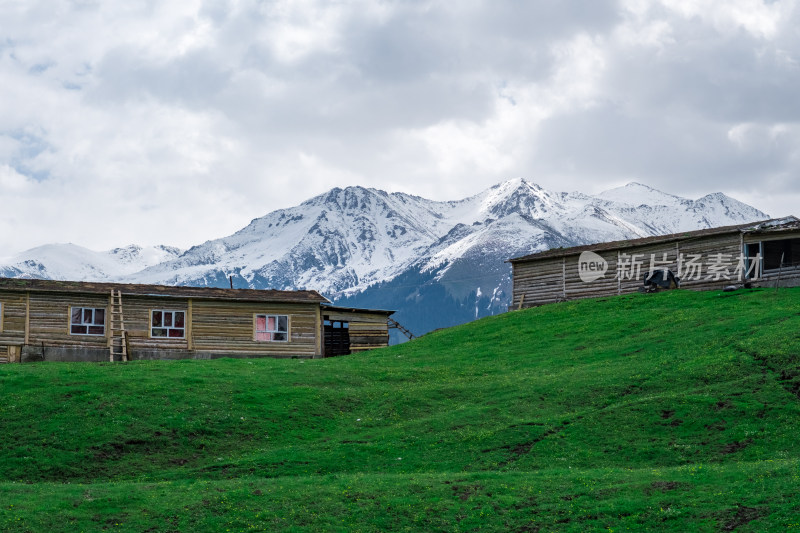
356, 309
765, 226
162, 291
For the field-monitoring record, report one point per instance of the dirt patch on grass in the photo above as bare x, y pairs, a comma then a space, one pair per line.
739, 516
722, 405
523, 448
734, 447
464, 492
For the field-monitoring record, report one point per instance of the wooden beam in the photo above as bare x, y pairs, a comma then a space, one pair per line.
28, 317
189, 340
320, 332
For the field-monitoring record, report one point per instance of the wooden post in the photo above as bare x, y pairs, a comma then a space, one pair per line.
320, 333
28, 317
522, 299
127, 344
564, 276
189, 340
110, 315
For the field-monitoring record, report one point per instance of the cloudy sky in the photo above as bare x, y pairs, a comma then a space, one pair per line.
176, 122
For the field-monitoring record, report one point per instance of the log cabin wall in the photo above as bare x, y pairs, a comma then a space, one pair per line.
577, 288
220, 327
368, 329
137, 313
48, 329
13, 310
730, 246
537, 282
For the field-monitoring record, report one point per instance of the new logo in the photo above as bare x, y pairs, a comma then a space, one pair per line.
591, 267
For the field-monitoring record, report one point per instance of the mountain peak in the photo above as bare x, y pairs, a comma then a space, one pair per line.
517, 196
636, 194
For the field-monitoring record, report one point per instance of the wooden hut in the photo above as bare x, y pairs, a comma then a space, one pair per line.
762, 254
80, 321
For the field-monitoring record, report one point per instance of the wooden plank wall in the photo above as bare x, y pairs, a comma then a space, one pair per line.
220, 327
12, 324
729, 245
537, 282
577, 288
367, 330
49, 320
136, 312
644, 255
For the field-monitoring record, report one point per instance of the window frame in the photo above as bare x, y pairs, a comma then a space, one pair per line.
172, 327
792, 263
85, 324
272, 332
749, 258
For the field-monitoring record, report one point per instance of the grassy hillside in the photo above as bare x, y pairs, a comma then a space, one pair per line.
675, 411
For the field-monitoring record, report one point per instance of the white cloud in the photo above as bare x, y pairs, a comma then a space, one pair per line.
759, 18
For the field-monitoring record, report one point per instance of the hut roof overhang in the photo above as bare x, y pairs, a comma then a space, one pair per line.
162, 291
356, 309
772, 226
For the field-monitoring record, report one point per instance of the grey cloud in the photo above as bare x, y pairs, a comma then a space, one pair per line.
684, 151
190, 80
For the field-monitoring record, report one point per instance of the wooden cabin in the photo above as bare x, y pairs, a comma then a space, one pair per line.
81, 321
763, 254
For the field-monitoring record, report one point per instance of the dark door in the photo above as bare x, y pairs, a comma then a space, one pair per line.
337, 337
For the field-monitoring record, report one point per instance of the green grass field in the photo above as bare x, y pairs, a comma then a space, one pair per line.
675, 411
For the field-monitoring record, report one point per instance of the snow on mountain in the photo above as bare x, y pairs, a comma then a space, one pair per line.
436, 262
336, 241
636, 194
72, 262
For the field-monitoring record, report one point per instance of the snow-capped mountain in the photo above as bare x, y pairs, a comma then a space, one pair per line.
437, 263
72, 262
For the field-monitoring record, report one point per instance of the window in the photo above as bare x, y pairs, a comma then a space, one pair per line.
169, 324
87, 321
784, 252
274, 328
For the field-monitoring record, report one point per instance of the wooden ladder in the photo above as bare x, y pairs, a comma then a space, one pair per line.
395, 324
117, 342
